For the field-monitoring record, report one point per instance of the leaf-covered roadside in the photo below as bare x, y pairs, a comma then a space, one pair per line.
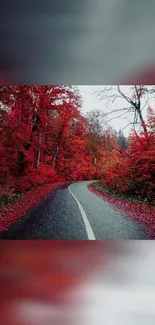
12, 212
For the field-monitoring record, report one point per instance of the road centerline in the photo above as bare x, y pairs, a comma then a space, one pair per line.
88, 227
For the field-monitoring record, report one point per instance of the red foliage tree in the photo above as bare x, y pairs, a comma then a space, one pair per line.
43, 136
134, 171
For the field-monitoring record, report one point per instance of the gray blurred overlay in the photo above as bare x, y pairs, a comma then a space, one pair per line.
75, 42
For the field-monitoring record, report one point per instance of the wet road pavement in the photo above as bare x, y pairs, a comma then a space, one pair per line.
72, 212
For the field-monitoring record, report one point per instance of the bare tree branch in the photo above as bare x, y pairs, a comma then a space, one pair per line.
116, 117
131, 123
111, 93
127, 109
129, 100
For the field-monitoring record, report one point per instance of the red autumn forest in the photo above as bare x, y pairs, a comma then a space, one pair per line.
45, 139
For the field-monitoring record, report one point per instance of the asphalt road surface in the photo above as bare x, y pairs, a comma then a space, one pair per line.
72, 212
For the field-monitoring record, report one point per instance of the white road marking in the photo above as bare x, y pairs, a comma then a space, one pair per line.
89, 230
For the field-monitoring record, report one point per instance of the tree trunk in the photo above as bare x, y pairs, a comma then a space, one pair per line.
20, 163
55, 156
141, 119
39, 148
7, 187
95, 162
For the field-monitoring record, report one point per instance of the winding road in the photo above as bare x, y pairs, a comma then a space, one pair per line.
72, 212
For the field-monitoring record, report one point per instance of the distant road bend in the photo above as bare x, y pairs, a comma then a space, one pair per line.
73, 212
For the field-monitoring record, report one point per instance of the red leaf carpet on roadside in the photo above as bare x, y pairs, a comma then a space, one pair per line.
139, 212
15, 212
